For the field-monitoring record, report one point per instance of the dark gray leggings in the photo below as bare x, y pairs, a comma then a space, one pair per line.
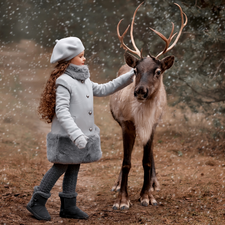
53, 174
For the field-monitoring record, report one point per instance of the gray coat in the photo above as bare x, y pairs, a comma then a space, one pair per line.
74, 115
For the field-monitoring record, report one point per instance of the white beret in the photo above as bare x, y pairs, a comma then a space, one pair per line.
66, 49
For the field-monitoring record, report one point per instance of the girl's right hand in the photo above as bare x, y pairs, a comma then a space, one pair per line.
81, 141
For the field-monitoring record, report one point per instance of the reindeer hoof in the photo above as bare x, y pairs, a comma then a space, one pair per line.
157, 188
115, 206
115, 188
124, 207
153, 201
144, 204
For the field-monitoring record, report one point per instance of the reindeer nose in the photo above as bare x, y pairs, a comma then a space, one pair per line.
141, 92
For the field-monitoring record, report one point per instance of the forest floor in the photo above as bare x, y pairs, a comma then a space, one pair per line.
190, 165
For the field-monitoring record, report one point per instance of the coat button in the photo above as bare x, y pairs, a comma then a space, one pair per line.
87, 96
90, 128
90, 112
82, 81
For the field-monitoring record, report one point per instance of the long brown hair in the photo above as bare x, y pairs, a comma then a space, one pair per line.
46, 108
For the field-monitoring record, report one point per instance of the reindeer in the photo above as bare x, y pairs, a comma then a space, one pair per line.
138, 109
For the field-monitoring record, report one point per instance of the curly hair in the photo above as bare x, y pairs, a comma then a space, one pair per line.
46, 108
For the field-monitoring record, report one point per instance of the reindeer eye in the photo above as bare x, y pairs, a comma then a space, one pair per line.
158, 72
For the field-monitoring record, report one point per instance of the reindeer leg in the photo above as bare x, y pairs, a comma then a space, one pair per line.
129, 135
154, 184
150, 180
117, 185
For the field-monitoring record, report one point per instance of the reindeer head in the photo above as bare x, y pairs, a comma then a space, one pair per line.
149, 69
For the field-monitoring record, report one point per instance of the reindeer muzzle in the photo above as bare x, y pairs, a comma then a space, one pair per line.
141, 93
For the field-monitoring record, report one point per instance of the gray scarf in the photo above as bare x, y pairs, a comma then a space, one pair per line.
78, 72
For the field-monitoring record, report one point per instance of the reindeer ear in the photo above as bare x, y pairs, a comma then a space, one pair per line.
131, 60
167, 62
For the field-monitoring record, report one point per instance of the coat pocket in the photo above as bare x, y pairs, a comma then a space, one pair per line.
60, 149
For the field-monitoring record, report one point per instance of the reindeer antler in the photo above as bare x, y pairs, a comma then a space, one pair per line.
136, 51
168, 40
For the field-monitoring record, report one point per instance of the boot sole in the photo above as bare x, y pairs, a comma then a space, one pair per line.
36, 215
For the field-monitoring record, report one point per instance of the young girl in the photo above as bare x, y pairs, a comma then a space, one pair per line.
67, 103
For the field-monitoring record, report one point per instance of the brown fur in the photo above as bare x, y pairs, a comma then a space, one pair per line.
125, 107
138, 109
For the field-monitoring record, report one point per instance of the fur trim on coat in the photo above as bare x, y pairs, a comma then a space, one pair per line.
60, 149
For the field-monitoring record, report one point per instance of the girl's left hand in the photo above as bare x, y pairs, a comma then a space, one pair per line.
81, 141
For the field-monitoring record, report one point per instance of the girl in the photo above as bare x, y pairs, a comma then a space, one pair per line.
67, 103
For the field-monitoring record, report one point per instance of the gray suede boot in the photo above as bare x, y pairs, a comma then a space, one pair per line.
68, 207
37, 205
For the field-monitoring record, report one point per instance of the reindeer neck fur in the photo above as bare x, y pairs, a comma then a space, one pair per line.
145, 116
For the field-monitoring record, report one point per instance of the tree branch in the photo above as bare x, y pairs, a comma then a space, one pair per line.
215, 100
217, 69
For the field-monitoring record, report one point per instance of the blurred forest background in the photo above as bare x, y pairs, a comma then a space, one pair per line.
189, 143
195, 84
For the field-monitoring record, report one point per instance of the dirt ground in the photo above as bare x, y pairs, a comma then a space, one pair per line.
190, 164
